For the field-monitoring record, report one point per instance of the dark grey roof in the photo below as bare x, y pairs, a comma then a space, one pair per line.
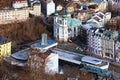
3, 40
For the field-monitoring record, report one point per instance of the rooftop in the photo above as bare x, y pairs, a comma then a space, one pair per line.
91, 60
21, 55
3, 40
50, 44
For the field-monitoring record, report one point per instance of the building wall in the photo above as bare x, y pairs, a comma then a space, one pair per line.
50, 8
94, 42
51, 64
62, 28
108, 48
37, 9
5, 50
102, 43
103, 5
20, 4
12, 15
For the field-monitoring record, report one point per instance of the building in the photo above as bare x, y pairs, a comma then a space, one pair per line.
47, 61
83, 15
35, 9
114, 5
95, 41
102, 4
59, 7
48, 7
113, 23
20, 3
108, 43
18, 58
102, 42
100, 18
5, 47
44, 44
13, 15
65, 27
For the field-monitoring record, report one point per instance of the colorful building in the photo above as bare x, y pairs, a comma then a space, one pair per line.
5, 47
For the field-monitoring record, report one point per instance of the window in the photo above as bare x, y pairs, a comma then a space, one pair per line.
107, 54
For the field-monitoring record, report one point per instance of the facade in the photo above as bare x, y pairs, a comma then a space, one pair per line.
5, 47
102, 42
108, 44
35, 9
100, 18
117, 49
94, 41
12, 15
48, 7
20, 3
65, 27
83, 15
114, 5
102, 4
47, 61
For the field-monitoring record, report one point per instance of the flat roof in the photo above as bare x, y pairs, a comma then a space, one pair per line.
13, 61
91, 60
50, 44
3, 40
68, 56
21, 55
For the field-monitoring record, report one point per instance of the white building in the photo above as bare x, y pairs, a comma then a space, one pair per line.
65, 27
94, 40
12, 15
20, 3
48, 7
100, 18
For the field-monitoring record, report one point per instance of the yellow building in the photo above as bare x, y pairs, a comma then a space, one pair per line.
5, 47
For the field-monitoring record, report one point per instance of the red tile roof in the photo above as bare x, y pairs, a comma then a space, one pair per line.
44, 55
